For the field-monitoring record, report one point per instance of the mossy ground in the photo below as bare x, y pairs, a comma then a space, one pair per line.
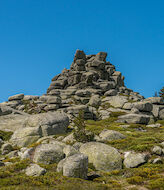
138, 138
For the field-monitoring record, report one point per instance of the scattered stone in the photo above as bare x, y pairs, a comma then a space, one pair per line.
133, 160
109, 135
35, 170
157, 150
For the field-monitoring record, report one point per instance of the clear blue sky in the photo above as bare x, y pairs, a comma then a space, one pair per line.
38, 38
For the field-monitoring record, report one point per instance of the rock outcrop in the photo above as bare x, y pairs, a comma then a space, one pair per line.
90, 84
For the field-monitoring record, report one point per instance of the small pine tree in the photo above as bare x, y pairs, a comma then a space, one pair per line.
80, 133
161, 93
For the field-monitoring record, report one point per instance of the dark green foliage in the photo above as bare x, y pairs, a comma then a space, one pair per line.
161, 93
80, 133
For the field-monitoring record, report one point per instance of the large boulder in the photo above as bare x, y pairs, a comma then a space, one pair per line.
102, 156
39, 125
52, 123
12, 122
26, 136
133, 160
134, 118
74, 166
48, 153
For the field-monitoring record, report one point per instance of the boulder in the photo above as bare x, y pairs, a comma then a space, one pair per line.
52, 123
12, 122
116, 101
54, 100
157, 150
48, 153
111, 92
143, 106
134, 118
109, 135
102, 156
133, 160
74, 166
16, 97
95, 101
26, 136
35, 170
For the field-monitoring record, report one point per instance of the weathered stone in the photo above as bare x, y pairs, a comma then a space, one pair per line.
143, 106
69, 139
134, 118
48, 154
35, 170
101, 56
102, 156
157, 150
26, 136
54, 100
55, 122
16, 97
74, 166
133, 160
109, 135
95, 101
69, 151
111, 92
30, 97
116, 101
128, 106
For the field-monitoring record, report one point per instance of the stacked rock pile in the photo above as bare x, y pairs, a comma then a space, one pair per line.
93, 85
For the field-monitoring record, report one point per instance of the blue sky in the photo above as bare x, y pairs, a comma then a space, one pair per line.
38, 38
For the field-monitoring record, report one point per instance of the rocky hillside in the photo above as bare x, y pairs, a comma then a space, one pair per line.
89, 131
